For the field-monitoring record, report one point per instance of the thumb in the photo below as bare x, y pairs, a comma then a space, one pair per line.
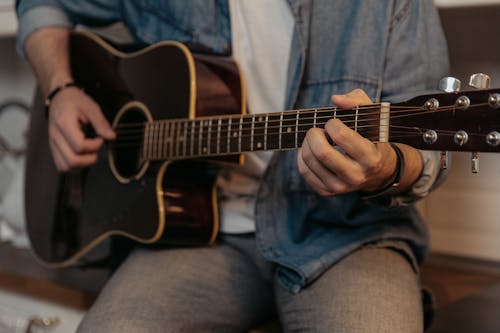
100, 123
352, 99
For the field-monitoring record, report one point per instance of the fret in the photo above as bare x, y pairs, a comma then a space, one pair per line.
280, 129
155, 140
191, 140
229, 131
177, 137
273, 127
305, 123
239, 134
297, 130
219, 122
251, 136
209, 136
201, 149
159, 141
356, 119
259, 133
194, 137
288, 131
235, 134
246, 134
213, 137
265, 132
223, 132
169, 139
184, 137
315, 117
161, 144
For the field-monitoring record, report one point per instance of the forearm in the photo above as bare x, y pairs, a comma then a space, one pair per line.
48, 53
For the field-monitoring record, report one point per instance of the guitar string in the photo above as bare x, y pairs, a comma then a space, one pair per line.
411, 132
189, 131
223, 132
291, 114
371, 107
139, 126
158, 154
181, 152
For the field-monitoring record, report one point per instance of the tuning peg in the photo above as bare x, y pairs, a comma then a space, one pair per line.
444, 160
475, 162
480, 81
450, 84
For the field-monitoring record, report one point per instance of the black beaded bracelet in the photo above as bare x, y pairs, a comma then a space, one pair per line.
400, 167
54, 92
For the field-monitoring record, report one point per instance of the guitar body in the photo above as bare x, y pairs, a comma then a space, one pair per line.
171, 202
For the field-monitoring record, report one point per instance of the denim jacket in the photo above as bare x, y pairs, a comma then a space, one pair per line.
392, 49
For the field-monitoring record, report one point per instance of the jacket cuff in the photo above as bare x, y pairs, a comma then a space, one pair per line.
432, 175
36, 18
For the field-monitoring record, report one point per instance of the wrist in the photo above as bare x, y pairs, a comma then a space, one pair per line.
56, 81
54, 92
392, 184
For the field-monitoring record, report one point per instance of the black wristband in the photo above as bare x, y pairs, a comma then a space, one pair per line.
400, 167
54, 92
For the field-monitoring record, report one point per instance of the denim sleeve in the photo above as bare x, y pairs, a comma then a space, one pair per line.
417, 58
36, 14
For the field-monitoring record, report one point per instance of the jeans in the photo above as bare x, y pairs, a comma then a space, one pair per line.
230, 288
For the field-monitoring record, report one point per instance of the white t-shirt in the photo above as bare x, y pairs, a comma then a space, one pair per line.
261, 39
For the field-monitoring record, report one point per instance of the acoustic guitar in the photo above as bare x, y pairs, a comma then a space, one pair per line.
180, 116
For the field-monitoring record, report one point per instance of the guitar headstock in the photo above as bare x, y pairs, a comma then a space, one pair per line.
453, 120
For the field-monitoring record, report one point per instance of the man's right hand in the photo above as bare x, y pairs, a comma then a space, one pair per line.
69, 112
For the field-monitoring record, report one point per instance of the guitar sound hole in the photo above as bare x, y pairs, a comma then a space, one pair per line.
126, 150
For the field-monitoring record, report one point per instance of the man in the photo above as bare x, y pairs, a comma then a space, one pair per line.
298, 234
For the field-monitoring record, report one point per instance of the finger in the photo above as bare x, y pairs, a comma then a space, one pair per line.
99, 122
310, 177
70, 127
360, 149
352, 99
58, 160
318, 173
327, 159
67, 157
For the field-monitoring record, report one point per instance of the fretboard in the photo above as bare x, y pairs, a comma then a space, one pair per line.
227, 135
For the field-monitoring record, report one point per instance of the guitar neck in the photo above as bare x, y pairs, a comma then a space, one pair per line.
227, 135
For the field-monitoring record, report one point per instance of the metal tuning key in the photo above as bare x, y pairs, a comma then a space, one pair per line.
449, 84
480, 81
475, 162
